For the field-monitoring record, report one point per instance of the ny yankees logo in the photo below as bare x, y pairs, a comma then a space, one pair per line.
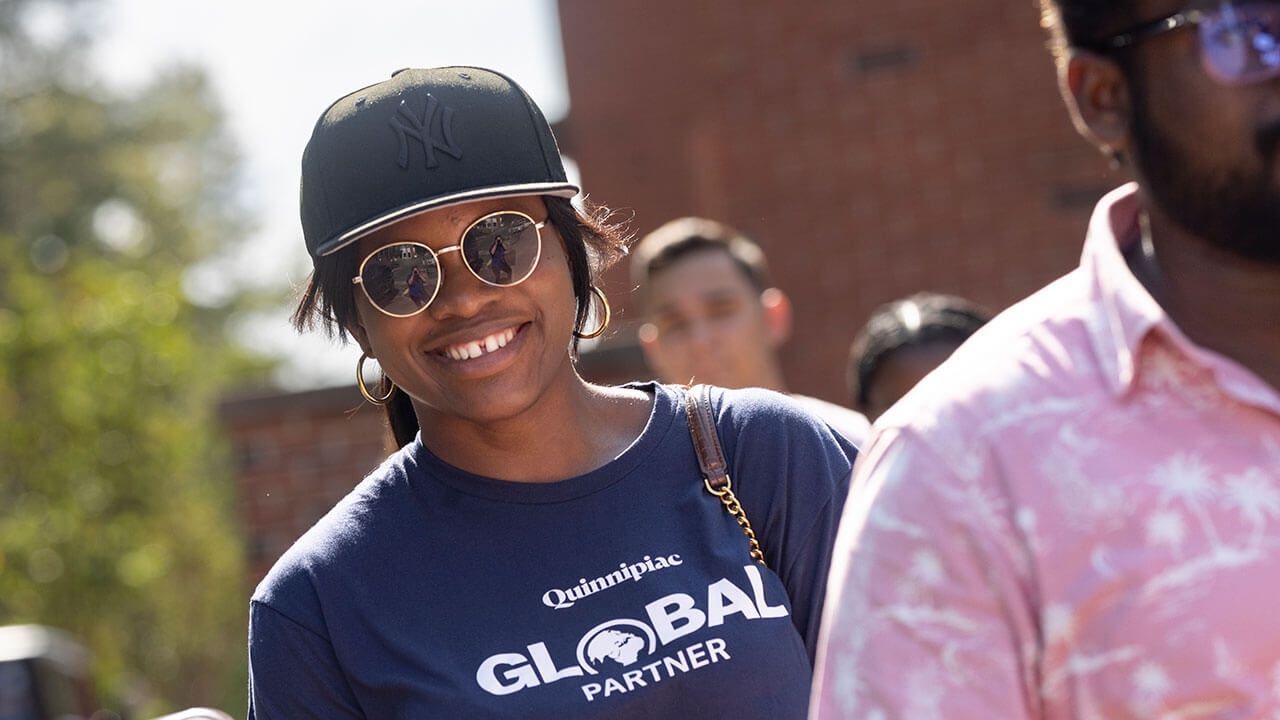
420, 129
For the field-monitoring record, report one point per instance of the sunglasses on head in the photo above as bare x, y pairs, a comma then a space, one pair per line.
1239, 42
500, 249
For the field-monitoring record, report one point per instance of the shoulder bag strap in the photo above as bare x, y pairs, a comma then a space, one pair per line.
715, 471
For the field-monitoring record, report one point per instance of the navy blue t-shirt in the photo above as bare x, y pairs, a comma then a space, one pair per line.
625, 592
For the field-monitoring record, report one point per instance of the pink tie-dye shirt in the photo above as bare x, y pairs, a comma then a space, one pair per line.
1076, 516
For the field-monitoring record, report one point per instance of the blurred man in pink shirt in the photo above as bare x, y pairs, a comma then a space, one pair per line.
1078, 514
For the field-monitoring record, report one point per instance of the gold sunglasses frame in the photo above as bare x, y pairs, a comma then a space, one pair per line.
437, 254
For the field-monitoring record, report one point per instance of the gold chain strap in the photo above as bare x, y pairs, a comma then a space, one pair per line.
711, 460
730, 502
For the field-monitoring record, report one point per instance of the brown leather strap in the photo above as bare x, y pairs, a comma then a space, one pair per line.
702, 428
715, 471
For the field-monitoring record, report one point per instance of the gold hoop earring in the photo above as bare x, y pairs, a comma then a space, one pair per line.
608, 313
364, 390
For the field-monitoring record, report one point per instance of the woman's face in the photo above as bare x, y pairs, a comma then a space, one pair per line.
477, 352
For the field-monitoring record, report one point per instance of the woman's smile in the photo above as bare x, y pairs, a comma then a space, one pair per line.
476, 348
485, 353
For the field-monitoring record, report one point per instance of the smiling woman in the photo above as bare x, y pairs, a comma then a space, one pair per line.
436, 211
246, 47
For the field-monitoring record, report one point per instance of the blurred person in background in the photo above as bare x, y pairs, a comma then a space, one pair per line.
539, 547
710, 315
902, 342
1078, 514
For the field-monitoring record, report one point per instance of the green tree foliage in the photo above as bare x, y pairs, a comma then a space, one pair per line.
116, 489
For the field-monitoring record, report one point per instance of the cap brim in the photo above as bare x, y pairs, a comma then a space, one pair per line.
559, 189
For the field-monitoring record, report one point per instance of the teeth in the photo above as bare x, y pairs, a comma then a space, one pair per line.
476, 348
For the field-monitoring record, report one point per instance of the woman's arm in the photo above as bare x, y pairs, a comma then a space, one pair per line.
791, 473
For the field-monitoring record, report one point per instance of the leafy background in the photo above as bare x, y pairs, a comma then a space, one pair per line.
117, 515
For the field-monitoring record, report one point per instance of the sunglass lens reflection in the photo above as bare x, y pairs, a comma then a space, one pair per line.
502, 249
1242, 42
400, 279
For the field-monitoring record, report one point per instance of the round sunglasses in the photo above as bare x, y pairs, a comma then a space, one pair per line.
1239, 42
500, 249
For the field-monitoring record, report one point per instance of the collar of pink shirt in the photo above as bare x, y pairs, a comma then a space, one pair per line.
1132, 316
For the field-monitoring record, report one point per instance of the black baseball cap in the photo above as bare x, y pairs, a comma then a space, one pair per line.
422, 140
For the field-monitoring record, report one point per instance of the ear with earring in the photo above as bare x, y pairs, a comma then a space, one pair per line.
605, 313
364, 390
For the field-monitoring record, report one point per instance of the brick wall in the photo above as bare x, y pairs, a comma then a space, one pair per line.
873, 148
298, 454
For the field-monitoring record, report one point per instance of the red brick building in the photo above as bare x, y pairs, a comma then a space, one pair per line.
298, 454
874, 149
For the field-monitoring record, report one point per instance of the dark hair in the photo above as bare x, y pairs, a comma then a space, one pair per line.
1083, 23
917, 320
679, 238
592, 242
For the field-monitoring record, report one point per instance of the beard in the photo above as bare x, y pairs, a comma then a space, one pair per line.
1237, 211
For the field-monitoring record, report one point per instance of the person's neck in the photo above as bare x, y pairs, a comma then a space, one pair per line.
572, 430
1219, 300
